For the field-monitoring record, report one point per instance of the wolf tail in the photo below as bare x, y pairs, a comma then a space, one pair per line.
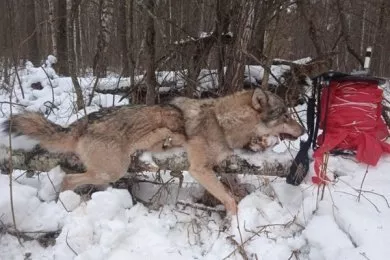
34, 125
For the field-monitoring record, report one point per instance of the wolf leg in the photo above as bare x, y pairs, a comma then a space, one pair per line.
106, 161
72, 181
201, 169
209, 181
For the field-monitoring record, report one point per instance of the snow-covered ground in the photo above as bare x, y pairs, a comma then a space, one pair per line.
275, 221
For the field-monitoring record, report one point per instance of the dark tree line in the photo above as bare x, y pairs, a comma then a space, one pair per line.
131, 38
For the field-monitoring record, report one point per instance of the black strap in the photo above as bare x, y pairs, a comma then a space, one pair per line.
300, 165
318, 88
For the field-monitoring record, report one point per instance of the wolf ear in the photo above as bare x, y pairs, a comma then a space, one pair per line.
259, 99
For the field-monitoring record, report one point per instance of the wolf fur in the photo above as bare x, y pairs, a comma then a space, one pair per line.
209, 130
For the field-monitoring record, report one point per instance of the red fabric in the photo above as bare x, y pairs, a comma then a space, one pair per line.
353, 122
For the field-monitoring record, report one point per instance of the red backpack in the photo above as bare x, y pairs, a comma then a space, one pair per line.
349, 113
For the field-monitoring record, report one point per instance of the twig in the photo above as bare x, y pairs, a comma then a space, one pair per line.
380, 195
324, 167
344, 192
246, 241
11, 103
66, 240
367, 191
364, 255
117, 86
265, 67
294, 253
10, 167
163, 186
15, 233
299, 118
200, 207
240, 248
238, 227
372, 203
179, 175
57, 193
361, 184
331, 198
256, 233
24, 234
51, 106
323, 191
51, 85
196, 230
148, 181
93, 90
23, 173
377, 209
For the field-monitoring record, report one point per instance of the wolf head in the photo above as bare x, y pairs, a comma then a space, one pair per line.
275, 118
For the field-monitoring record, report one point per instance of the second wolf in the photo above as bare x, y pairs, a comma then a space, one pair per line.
208, 129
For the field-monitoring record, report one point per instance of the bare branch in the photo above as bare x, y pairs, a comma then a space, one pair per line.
67, 243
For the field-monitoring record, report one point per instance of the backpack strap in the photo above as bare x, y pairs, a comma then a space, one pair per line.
300, 166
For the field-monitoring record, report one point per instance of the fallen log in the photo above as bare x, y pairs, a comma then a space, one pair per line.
242, 162
150, 184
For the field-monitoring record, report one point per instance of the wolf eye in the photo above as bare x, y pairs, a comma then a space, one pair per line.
276, 112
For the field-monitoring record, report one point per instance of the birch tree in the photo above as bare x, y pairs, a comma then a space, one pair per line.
106, 8
73, 7
52, 23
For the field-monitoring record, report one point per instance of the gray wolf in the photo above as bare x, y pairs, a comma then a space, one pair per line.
208, 129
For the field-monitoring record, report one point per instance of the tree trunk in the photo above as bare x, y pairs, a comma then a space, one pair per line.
379, 39
5, 45
100, 61
235, 70
53, 27
79, 41
345, 32
308, 16
62, 41
10, 14
123, 32
223, 19
33, 49
130, 53
77, 38
262, 20
74, 4
363, 29
150, 53
220, 14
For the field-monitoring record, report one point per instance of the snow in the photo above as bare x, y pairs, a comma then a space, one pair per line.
50, 183
207, 79
275, 221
